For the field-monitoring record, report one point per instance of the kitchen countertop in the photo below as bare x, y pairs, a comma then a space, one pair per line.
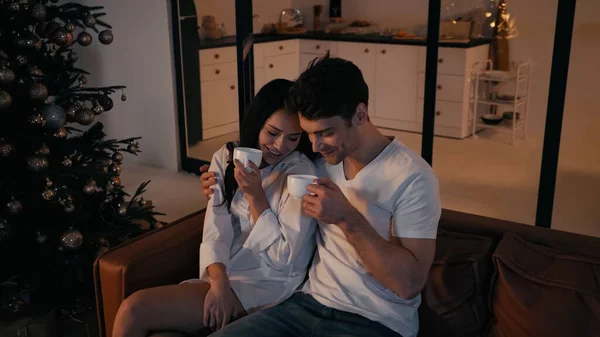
258, 38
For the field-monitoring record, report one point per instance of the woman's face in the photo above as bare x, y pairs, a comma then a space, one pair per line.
279, 136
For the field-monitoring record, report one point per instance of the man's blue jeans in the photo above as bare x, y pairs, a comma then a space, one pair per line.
303, 316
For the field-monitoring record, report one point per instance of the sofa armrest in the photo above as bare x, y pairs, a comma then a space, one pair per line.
168, 255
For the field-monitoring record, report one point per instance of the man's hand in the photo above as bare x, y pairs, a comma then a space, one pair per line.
328, 204
220, 305
208, 179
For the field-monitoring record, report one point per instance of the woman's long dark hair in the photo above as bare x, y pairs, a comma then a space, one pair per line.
269, 99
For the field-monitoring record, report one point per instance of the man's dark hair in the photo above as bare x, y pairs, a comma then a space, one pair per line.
329, 87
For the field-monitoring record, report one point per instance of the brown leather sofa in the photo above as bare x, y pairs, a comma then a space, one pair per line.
489, 278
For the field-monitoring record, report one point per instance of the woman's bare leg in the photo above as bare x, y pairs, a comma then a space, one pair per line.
169, 308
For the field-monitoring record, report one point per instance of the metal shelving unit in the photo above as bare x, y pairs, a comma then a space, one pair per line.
485, 99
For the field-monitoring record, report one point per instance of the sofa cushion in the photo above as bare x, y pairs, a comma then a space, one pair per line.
541, 291
454, 299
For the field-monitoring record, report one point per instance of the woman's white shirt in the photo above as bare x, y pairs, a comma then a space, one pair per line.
266, 261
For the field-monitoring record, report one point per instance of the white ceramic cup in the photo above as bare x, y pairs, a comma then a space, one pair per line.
246, 155
296, 184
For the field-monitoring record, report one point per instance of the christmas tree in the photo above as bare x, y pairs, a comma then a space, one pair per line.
61, 198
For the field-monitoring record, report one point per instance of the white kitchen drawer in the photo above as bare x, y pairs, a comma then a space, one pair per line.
447, 114
451, 61
449, 87
259, 55
219, 103
219, 72
280, 47
282, 66
318, 47
217, 55
357, 48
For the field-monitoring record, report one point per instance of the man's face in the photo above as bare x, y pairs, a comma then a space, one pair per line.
333, 137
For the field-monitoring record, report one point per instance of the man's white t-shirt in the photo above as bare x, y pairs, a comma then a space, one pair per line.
398, 194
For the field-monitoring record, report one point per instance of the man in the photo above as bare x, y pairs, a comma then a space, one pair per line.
378, 208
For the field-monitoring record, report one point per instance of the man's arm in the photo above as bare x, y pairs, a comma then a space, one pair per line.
402, 264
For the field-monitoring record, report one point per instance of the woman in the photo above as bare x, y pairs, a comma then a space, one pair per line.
257, 243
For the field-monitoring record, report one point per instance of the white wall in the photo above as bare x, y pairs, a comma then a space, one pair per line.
141, 58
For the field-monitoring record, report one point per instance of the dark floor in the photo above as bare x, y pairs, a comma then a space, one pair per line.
85, 325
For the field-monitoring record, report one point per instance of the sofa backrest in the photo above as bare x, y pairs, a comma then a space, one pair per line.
476, 267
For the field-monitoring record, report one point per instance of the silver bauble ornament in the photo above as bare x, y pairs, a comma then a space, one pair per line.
14, 7
14, 206
116, 181
37, 163
17, 306
85, 116
5, 100
103, 162
65, 199
38, 92
61, 133
5, 148
70, 27
41, 238
106, 37
44, 150
71, 239
90, 188
6, 75
123, 97
48, 194
69, 208
73, 56
35, 71
133, 148
106, 102
122, 210
61, 37
84, 39
114, 169
117, 157
5, 230
50, 28
71, 111
89, 20
98, 109
54, 115
38, 12
37, 120
67, 162
21, 60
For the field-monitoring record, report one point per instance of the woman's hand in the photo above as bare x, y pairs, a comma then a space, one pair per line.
207, 179
220, 306
250, 183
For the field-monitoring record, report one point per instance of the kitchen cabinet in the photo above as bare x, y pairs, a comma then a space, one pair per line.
312, 49
259, 79
273, 60
363, 55
454, 78
219, 107
281, 66
218, 89
396, 78
394, 73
